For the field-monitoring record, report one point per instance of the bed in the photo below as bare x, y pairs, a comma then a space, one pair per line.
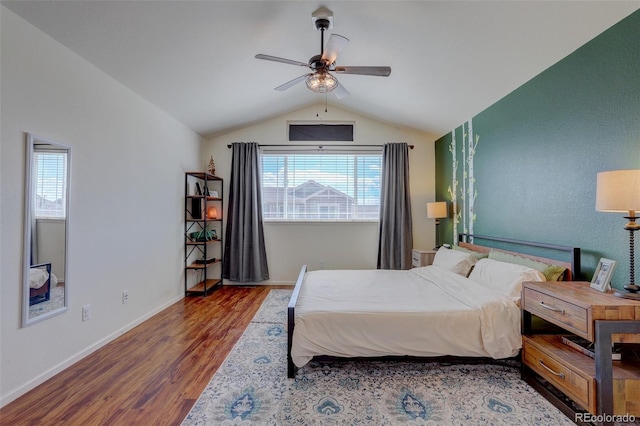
40, 283
464, 305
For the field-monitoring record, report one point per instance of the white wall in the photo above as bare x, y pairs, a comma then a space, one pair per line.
126, 202
337, 245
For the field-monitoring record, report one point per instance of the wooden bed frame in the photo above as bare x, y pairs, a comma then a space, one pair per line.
573, 270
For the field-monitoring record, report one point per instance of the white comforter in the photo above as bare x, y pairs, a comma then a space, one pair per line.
426, 311
37, 277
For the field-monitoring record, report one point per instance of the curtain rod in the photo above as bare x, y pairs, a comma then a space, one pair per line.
323, 146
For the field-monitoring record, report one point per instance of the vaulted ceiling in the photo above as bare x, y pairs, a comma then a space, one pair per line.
195, 59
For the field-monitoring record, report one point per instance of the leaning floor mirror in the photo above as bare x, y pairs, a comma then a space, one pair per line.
46, 230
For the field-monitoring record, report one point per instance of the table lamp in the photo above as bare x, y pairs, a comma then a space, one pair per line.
619, 191
437, 210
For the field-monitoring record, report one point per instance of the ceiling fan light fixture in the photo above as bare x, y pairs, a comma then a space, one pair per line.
321, 82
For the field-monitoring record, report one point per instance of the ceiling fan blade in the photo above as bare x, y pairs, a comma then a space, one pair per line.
283, 60
340, 91
377, 71
334, 45
292, 82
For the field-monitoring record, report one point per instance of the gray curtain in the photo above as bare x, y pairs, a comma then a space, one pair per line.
396, 229
245, 257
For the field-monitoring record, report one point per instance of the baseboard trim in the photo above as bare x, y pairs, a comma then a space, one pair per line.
32, 384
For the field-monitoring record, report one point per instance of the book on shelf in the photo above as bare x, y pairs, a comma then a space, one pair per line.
587, 347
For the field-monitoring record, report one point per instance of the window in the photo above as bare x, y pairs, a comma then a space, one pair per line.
321, 186
50, 184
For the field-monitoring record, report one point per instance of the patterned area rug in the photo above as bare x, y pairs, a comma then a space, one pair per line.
251, 387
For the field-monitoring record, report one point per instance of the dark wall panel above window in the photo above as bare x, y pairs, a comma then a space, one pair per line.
321, 132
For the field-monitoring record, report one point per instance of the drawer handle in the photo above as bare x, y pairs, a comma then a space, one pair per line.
561, 375
552, 308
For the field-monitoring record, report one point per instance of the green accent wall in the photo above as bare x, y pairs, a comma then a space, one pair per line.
541, 146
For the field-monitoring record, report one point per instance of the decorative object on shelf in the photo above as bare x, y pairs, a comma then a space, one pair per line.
437, 210
214, 194
619, 191
196, 208
198, 189
212, 212
602, 276
211, 169
203, 235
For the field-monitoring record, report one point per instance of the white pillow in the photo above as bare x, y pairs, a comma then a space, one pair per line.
505, 278
455, 261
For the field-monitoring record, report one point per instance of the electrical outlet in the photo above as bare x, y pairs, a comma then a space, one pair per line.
322, 264
125, 297
86, 312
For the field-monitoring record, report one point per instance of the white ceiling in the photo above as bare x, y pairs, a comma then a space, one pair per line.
449, 59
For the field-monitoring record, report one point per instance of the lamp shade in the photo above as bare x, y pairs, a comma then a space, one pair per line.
437, 210
618, 191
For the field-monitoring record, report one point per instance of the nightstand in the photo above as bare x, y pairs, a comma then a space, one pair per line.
422, 257
600, 385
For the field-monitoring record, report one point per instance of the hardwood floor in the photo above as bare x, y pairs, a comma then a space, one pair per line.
151, 375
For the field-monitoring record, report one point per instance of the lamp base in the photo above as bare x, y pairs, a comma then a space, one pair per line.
627, 294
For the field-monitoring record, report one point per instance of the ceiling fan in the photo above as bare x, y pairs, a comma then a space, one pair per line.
320, 79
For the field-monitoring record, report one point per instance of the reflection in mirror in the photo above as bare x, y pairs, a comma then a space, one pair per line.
45, 291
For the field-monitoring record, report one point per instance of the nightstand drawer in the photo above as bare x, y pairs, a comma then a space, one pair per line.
559, 312
422, 257
580, 388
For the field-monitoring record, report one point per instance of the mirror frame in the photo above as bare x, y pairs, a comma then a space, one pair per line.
32, 140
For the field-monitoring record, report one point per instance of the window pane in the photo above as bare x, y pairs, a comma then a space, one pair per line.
50, 184
316, 187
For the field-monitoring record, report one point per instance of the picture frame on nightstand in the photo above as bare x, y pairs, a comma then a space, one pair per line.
602, 276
